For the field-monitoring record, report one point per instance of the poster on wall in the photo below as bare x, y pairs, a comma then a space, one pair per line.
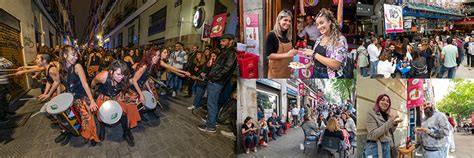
218, 25
301, 89
415, 93
393, 18
206, 32
251, 33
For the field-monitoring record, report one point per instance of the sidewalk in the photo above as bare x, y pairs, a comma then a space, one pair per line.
464, 146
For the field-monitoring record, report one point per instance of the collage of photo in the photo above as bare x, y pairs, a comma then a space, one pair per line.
237, 78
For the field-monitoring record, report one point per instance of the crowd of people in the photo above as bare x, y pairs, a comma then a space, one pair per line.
320, 34
325, 120
435, 56
96, 75
435, 132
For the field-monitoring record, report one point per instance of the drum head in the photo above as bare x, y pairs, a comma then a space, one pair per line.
110, 112
150, 100
59, 103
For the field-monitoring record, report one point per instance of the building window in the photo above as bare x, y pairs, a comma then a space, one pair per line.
131, 33
157, 22
119, 40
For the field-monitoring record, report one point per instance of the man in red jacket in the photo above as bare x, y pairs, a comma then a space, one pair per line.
452, 145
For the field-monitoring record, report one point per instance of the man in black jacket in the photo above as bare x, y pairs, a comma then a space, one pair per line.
219, 75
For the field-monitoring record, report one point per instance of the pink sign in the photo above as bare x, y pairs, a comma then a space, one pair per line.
301, 89
415, 93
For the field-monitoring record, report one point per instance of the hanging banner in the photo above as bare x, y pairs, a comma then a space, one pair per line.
218, 25
251, 33
301, 89
415, 93
206, 32
393, 18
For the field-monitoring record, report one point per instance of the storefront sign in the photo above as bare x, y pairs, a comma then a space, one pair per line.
198, 18
415, 93
301, 89
269, 83
365, 10
218, 25
393, 18
292, 92
251, 33
407, 24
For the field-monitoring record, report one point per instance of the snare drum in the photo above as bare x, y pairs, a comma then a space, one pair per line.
60, 107
110, 112
150, 101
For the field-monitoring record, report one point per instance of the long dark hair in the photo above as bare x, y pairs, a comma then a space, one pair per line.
119, 64
63, 69
147, 60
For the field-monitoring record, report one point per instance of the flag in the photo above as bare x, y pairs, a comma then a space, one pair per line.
339, 13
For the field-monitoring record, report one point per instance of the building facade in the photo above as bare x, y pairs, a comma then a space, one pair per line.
128, 23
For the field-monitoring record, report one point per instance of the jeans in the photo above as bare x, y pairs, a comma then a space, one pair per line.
373, 68
190, 84
320, 72
469, 56
174, 81
264, 134
444, 69
295, 120
213, 92
363, 72
200, 90
371, 150
251, 140
275, 131
436, 154
225, 94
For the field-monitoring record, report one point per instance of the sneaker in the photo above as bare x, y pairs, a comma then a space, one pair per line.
228, 134
173, 94
247, 151
163, 93
191, 107
60, 137
265, 144
255, 150
452, 150
206, 129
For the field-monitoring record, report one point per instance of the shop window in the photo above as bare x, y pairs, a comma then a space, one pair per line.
157, 22
268, 103
119, 40
131, 33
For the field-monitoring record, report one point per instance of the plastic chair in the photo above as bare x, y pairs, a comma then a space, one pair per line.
333, 145
308, 138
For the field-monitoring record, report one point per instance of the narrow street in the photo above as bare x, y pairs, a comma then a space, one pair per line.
175, 135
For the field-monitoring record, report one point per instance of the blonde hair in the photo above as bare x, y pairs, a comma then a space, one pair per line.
277, 27
334, 28
333, 125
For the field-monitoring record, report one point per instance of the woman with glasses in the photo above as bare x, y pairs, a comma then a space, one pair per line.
330, 49
278, 47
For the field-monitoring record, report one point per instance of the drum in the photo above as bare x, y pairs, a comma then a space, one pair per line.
150, 101
60, 107
110, 112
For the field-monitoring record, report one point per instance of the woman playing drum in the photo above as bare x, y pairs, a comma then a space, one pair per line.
111, 84
74, 79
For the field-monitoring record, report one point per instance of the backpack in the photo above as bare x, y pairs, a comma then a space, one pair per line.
348, 68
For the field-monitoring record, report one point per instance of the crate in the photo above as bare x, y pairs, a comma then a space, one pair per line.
248, 64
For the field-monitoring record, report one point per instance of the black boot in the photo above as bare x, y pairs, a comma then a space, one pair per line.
129, 140
102, 132
93, 143
67, 139
127, 134
60, 137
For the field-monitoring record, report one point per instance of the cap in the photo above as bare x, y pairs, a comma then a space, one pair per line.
228, 36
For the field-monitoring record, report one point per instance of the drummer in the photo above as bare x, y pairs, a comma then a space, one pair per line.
74, 78
150, 63
52, 77
94, 61
111, 85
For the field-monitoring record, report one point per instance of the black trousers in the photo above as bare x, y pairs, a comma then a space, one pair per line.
3, 101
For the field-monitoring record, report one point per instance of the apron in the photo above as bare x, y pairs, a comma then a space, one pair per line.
279, 68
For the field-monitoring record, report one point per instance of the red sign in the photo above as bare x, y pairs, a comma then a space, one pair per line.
218, 25
301, 89
206, 33
415, 93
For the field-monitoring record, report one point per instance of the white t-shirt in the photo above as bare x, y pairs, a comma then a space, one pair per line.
295, 111
471, 48
374, 52
386, 68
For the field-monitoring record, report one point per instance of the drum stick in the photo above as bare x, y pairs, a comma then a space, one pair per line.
23, 99
8, 70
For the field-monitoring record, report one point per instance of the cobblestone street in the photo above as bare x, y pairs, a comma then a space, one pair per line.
176, 135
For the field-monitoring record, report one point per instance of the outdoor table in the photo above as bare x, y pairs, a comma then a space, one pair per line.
402, 151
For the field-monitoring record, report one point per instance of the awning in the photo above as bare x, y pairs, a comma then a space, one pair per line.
464, 22
430, 12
